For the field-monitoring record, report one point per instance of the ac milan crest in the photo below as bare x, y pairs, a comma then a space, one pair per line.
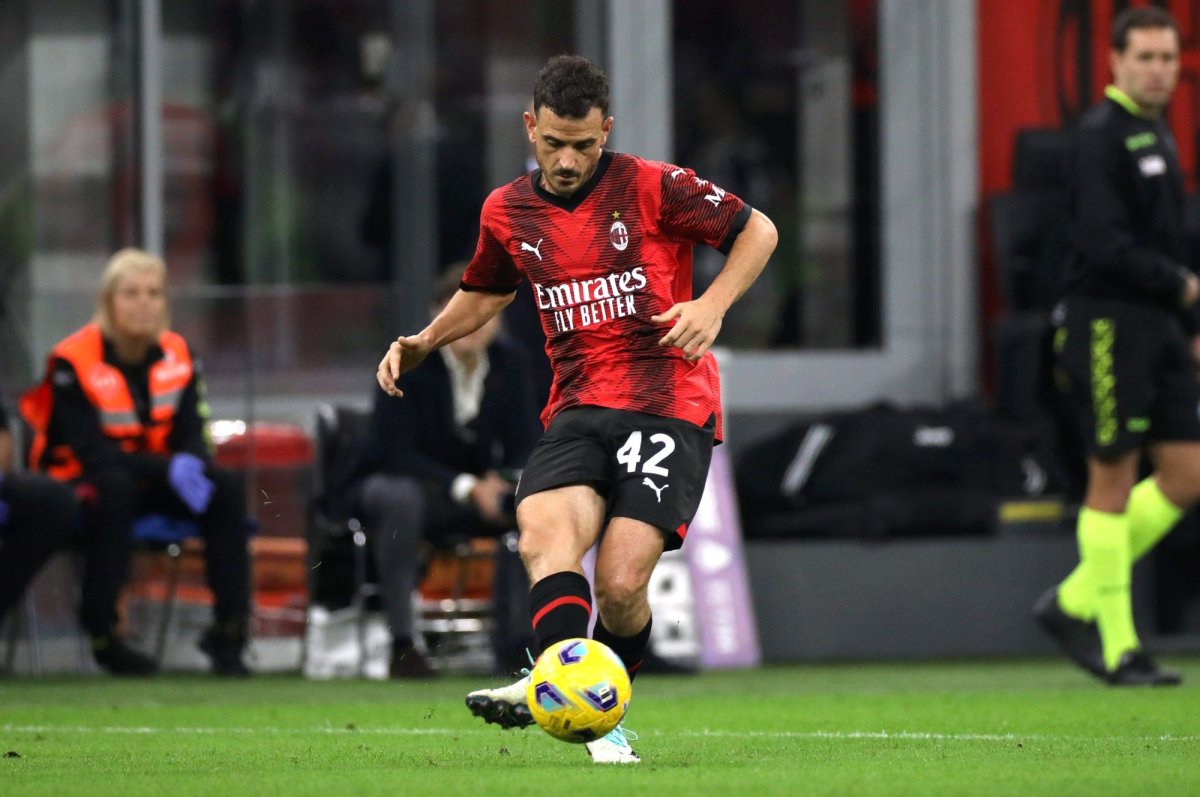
619, 236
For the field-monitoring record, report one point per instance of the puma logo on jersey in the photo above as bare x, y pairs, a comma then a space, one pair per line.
657, 490
531, 248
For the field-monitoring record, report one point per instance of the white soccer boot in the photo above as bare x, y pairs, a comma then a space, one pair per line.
613, 748
507, 706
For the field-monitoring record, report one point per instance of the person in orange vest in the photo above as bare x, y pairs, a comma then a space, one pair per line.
121, 414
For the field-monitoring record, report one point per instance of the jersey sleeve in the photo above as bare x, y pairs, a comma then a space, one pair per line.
492, 268
695, 209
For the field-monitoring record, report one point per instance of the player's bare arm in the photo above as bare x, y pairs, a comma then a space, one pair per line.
697, 322
466, 312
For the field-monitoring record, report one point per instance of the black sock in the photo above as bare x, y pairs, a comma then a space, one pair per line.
560, 606
631, 649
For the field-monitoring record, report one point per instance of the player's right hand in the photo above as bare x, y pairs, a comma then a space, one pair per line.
696, 326
405, 354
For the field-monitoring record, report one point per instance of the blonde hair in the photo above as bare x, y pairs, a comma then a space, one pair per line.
124, 263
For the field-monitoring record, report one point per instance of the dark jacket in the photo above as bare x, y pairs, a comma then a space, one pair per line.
417, 435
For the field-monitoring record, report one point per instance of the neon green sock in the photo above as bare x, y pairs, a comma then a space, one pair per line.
1151, 516
1104, 546
1076, 595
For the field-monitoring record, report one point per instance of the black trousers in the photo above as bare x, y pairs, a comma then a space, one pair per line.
41, 521
399, 512
107, 542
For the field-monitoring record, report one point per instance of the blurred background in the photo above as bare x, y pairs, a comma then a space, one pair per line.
307, 166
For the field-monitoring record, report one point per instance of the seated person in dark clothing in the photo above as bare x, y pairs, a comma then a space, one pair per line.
121, 414
433, 462
36, 516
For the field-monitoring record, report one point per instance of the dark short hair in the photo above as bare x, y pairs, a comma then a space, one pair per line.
1136, 19
571, 86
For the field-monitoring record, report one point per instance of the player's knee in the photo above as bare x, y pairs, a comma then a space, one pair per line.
531, 520
541, 533
539, 556
620, 592
552, 538
1181, 485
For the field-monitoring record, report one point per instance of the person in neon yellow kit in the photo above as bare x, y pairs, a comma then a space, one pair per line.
1126, 345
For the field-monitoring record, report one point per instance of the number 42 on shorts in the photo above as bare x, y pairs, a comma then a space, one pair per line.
630, 454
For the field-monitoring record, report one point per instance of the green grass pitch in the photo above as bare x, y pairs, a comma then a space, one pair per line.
958, 728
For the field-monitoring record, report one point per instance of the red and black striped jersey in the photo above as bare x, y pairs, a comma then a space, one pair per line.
601, 263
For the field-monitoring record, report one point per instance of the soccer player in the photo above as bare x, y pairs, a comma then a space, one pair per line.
606, 241
1125, 350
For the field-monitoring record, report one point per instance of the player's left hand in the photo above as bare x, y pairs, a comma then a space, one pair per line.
696, 326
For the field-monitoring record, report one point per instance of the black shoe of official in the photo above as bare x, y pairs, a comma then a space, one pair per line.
1136, 668
224, 647
1078, 638
408, 663
117, 658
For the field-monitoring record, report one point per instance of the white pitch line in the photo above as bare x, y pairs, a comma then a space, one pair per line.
820, 735
216, 730
931, 736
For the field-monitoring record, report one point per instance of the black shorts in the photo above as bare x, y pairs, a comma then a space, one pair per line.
1127, 372
647, 467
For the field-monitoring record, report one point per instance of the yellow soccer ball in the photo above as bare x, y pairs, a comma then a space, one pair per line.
578, 690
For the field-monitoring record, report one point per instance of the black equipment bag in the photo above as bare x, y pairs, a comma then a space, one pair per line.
886, 471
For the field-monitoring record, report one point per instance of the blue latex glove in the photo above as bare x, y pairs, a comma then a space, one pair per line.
186, 475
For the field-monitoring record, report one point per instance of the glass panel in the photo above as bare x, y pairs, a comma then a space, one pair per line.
284, 121
81, 149
311, 143
16, 196
776, 101
290, 344
273, 130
